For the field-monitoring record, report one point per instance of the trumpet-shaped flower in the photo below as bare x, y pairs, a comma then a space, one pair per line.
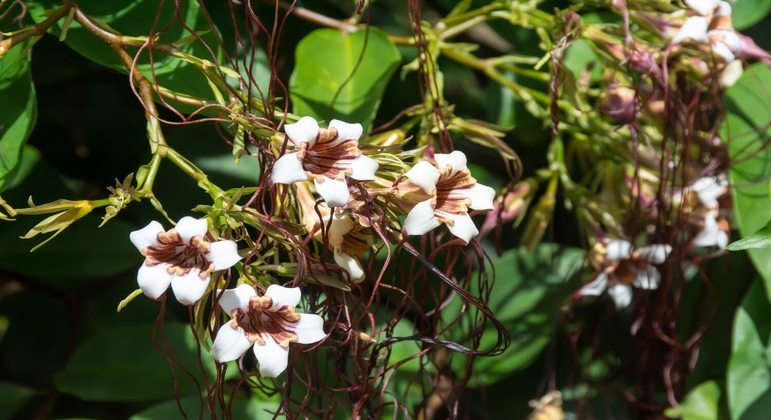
265, 323
349, 234
709, 189
327, 156
625, 268
712, 25
711, 234
453, 192
181, 257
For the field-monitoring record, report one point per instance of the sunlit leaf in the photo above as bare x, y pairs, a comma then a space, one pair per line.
699, 404
19, 110
747, 128
333, 79
749, 370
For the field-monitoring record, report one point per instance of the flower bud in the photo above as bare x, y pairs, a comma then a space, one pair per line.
620, 104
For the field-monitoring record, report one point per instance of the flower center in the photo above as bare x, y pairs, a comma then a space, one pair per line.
449, 191
264, 320
626, 271
181, 256
329, 157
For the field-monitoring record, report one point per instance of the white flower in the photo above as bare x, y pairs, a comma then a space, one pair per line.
711, 234
731, 74
712, 25
453, 192
346, 233
267, 324
182, 257
709, 189
625, 268
327, 156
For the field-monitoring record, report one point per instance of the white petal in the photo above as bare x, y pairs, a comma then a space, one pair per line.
333, 191
728, 37
721, 50
288, 169
621, 295
455, 160
346, 131
731, 74
351, 265
702, 7
230, 344
273, 358
189, 288
596, 286
655, 254
236, 298
694, 28
223, 254
708, 189
188, 228
724, 9
283, 296
424, 175
481, 197
618, 250
147, 236
153, 279
363, 168
647, 278
341, 225
303, 131
420, 219
309, 329
711, 235
463, 227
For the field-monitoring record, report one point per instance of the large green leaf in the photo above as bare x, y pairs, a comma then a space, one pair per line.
749, 12
747, 128
19, 109
12, 397
82, 252
122, 364
749, 370
258, 407
173, 21
333, 79
525, 298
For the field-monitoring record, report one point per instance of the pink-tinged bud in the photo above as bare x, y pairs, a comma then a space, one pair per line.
620, 103
645, 63
751, 50
507, 207
618, 5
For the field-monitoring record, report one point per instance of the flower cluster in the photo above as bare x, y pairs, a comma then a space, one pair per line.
325, 163
709, 23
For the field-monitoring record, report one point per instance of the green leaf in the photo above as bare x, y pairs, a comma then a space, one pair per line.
699, 404
749, 12
123, 364
749, 370
82, 252
172, 21
525, 298
759, 239
17, 94
12, 398
746, 129
333, 79
258, 407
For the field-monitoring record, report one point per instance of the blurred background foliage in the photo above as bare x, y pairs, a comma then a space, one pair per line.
65, 352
